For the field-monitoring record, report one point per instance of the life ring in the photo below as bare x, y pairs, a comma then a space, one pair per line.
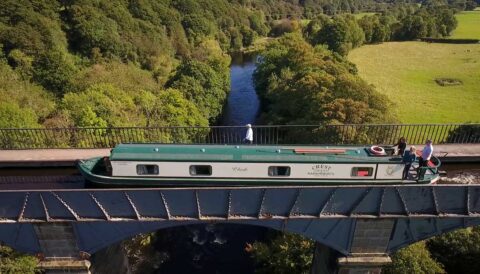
377, 150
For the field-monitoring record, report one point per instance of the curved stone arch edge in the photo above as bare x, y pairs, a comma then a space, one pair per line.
334, 233
94, 236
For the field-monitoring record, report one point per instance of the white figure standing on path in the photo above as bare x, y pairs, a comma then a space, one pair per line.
249, 136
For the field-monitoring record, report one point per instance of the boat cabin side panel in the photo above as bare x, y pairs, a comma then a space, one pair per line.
390, 171
254, 170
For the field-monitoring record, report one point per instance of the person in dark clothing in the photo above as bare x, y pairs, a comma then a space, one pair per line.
408, 159
402, 145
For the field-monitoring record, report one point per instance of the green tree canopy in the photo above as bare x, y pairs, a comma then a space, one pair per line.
283, 253
413, 259
458, 250
300, 84
12, 262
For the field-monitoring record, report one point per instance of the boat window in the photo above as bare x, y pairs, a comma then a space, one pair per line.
278, 171
201, 170
147, 169
362, 171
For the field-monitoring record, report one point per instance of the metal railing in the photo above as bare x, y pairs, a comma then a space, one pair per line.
14, 138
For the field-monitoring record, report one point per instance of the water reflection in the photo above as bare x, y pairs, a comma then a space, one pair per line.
243, 103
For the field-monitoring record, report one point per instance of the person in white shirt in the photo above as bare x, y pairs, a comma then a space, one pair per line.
426, 156
249, 136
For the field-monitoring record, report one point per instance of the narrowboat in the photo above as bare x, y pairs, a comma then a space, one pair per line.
144, 165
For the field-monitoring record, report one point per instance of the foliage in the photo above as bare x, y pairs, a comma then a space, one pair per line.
17, 91
54, 72
206, 87
467, 134
376, 28
458, 250
300, 84
284, 26
283, 253
127, 77
12, 262
142, 257
413, 259
15, 117
101, 105
341, 34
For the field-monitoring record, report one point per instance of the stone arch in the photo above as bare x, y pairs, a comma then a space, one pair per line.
334, 233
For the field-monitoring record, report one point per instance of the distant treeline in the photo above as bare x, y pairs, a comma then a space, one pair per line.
309, 9
342, 33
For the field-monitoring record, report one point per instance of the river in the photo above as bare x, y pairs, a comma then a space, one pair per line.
243, 103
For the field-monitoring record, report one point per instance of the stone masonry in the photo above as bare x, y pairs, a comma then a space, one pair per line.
60, 253
371, 236
368, 249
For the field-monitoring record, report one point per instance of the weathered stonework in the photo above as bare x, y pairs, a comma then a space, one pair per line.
60, 253
371, 236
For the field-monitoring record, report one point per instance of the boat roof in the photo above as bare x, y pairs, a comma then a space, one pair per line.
245, 153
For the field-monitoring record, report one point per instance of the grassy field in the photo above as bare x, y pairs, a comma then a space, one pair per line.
406, 73
468, 25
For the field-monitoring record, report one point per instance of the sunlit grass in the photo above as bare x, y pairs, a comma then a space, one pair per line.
468, 25
406, 73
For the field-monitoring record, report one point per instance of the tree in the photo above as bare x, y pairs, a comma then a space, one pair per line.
284, 26
458, 251
102, 105
203, 85
54, 71
341, 34
284, 253
470, 5
89, 29
13, 262
376, 29
18, 92
413, 259
15, 117
299, 84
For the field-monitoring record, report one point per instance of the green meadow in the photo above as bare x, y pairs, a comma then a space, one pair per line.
468, 25
428, 82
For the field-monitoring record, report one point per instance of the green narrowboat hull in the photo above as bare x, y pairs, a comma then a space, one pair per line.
91, 170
